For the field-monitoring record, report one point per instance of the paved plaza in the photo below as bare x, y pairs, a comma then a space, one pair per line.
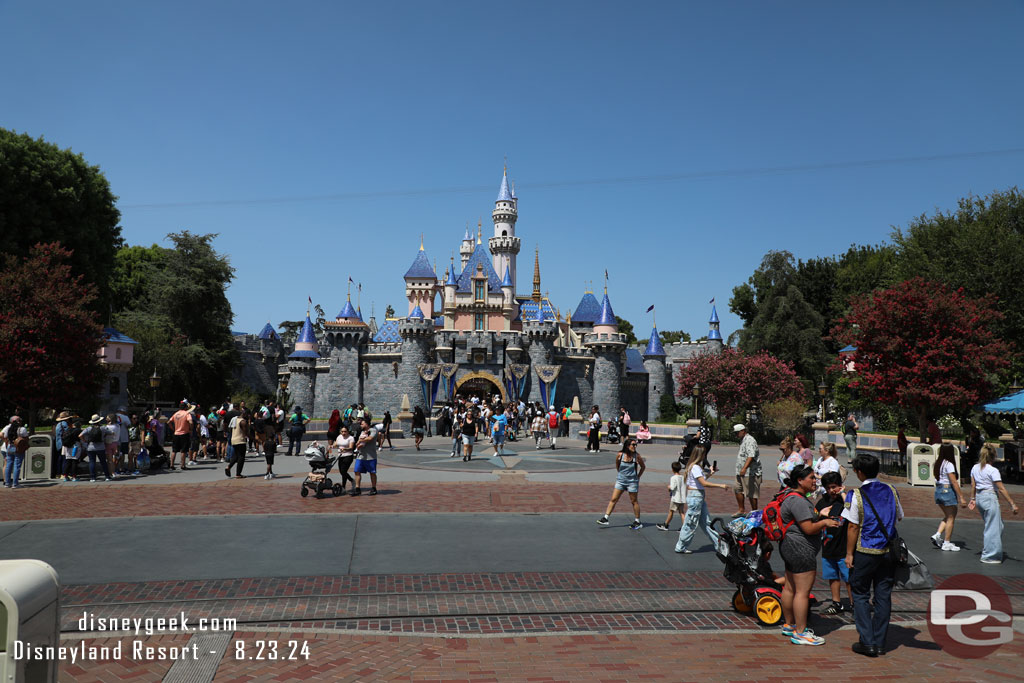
492, 570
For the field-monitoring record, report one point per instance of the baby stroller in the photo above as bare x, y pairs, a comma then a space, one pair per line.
613, 432
745, 551
317, 479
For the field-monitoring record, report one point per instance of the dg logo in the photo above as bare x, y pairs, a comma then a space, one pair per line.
970, 616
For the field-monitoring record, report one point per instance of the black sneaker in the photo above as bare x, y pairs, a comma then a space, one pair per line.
663, 527
603, 521
834, 608
636, 525
356, 492
373, 492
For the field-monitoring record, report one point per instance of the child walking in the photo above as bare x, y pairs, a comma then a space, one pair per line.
677, 501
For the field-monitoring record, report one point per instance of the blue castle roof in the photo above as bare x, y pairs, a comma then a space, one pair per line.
588, 309
268, 332
306, 335
528, 310
420, 267
654, 346
714, 315
359, 312
112, 335
507, 280
452, 277
417, 314
388, 332
480, 257
607, 316
635, 362
504, 195
304, 354
348, 311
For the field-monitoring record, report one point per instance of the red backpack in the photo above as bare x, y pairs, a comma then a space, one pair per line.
552, 419
771, 516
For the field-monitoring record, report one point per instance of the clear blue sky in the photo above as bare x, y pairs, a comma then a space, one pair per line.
380, 121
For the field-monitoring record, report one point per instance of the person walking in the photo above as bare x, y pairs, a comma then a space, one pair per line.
457, 420
385, 431
799, 549
181, 421
704, 439
346, 445
419, 426
563, 425
850, 428
624, 422
696, 503
552, 424
17, 446
239, 426
873, 513
986, 480
629, 467
469, 426
537, 428
594, 433
296, 428
269, 447
333, 426
366, 456
947, 496
748, 470
498, 430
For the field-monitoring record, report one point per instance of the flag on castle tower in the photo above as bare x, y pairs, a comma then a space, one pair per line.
712, 302
650, 308
350, 280
310, 300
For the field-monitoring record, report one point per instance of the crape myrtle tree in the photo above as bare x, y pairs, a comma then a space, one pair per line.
733, 381
926, 348
49, 335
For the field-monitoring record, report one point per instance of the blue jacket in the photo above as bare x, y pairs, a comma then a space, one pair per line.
872, 539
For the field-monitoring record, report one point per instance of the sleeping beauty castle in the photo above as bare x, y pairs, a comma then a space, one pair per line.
472, 330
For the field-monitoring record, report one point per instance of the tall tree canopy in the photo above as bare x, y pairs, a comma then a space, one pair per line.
925, 347
173, 301
48, 194
49, 337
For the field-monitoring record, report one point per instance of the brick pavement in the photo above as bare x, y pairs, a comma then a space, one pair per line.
597, 658
257, 496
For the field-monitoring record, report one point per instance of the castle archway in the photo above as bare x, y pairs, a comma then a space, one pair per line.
481, 382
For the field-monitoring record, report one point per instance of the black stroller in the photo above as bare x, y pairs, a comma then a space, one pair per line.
613, 432
317, 479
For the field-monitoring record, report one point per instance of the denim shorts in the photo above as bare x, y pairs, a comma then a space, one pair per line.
944, 495
834, 569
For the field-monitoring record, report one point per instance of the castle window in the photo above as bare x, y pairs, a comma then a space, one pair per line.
478, 321
117, 354
479, 291
504, 233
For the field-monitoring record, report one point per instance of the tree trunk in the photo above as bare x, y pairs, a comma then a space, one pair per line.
922, 423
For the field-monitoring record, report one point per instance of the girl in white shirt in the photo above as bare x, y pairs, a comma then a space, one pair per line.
986, 480
696, 505
947, 495
345, 443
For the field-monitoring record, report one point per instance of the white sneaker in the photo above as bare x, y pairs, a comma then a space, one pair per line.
950, 547
937, 540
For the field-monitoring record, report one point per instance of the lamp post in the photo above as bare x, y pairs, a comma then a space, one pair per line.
284, 389
154, 381
696, 398
1015, 387
822, 391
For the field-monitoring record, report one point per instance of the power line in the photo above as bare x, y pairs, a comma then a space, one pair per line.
623, 180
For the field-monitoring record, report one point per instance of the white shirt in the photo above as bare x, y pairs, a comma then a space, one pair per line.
694, 476
852, 513
595, 419
345, 444
825, 465
677, 486
204, 426
945, 469
985, 478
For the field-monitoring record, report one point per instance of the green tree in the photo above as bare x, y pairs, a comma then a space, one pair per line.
626, 328
389, 312
48, 194
862, 269
789, 328
180, 316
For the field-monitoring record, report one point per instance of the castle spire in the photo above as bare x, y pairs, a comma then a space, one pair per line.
479, 231
536, 275
504, 194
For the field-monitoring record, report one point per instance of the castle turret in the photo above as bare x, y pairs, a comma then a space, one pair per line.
607, 345
302, 368
421, 284
451, 281
540, 333
714, 334
466, 248
344, 383
508, 301
417, 333
657, 374
504, 246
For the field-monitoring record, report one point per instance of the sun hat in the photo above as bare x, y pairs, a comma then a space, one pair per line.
739, 428
96, 419
64, 415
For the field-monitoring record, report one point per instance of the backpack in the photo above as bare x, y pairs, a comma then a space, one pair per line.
552, 419
771, 516
95, 435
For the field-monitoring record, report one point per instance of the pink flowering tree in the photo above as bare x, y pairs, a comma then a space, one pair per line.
732, 381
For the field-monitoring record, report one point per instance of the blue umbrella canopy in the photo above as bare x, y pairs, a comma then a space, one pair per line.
1013, 404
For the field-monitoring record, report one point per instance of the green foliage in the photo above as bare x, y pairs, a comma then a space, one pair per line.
48, 194
784, 416
626, 328
289, 331
673, 336
179, 313
389, 312
668, 409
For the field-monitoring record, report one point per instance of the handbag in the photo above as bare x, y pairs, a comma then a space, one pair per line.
898, 552
913, 576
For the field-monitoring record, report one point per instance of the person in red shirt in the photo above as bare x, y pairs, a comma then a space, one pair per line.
182, 422
934, 433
